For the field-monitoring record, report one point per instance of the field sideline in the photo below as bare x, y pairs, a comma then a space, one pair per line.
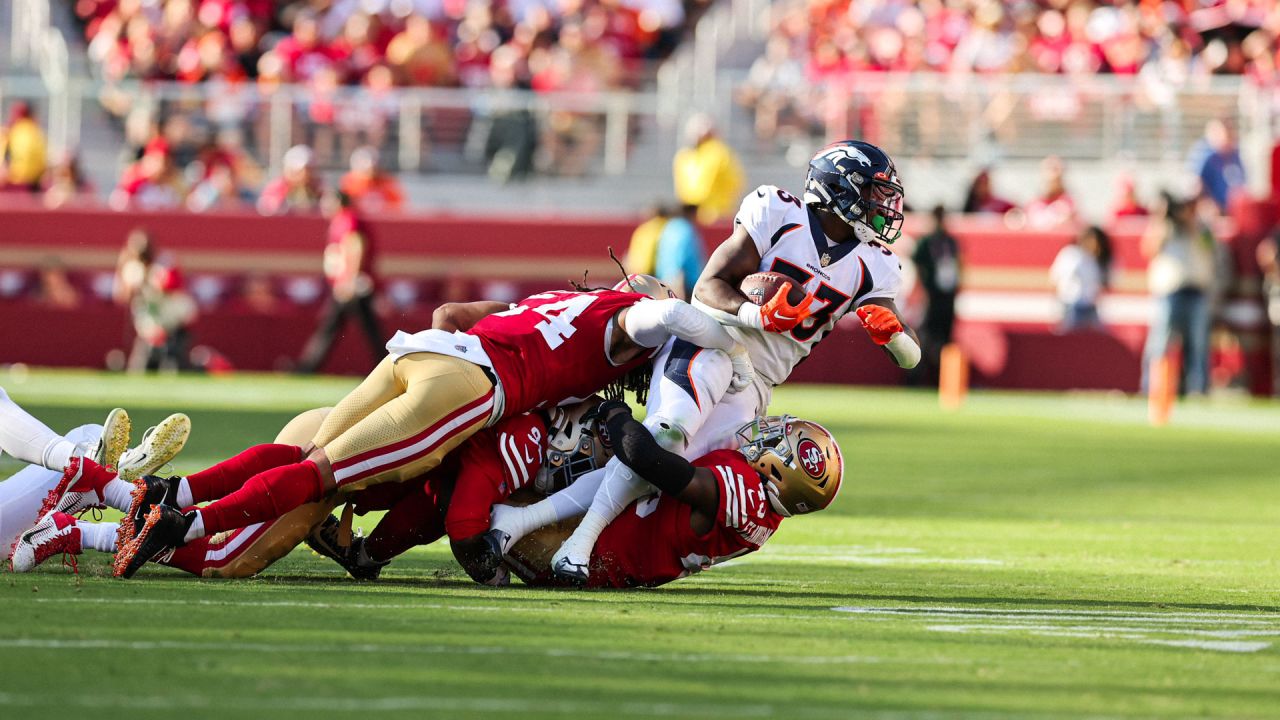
1032, 555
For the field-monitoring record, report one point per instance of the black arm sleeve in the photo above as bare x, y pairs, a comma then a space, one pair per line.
636, 448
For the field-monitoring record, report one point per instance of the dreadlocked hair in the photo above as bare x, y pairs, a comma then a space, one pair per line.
636, 381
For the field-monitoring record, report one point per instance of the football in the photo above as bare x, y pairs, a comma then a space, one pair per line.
762, 286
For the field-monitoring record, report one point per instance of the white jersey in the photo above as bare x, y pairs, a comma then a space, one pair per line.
843, 276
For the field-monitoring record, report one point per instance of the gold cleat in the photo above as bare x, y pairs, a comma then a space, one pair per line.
160, 445
114, 440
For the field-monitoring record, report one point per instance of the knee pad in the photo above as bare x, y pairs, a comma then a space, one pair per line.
669, 434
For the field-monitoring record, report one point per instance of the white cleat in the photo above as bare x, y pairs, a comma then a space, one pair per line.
504, 520
114, 439
569, 564
55, 533
160, 445
78, 490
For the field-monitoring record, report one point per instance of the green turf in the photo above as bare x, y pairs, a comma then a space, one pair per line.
1032, 555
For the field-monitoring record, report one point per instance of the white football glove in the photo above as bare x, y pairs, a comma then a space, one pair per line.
743, 372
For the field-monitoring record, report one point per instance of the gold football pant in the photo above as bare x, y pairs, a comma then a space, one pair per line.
404, 418
248, 551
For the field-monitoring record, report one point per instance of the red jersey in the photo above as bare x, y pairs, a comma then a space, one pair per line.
553, 347
652, 542
492, 464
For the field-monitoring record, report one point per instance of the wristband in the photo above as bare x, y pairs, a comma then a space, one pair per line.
904, 350
750, 316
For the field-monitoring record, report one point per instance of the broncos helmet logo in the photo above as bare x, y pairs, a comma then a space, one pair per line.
841, 153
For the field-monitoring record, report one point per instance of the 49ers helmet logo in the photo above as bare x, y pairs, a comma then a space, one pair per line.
810, 456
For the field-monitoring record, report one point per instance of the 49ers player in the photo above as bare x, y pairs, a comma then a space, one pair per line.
722, 505
437, 388
832, 242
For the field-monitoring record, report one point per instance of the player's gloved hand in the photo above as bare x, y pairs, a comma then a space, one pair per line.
880, 322
778, 315
743, 372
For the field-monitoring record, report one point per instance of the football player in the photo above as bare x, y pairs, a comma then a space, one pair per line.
57, 479
722, 505
832, 242
437, 388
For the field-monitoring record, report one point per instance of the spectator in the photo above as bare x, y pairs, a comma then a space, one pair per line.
22, 151
680, 254
1079, 274
1269, 262
642, 253
152, 182
769, 90
67, 183
937, 260
1127, 203
56, 290
298, 189
707, 173
1054, 207
982, 199
348, 267
369, 187
1215, 159
163, 312
513, 129
1181, 277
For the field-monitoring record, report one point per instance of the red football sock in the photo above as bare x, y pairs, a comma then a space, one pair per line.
265, 496
190, 557
229, 475
415, 520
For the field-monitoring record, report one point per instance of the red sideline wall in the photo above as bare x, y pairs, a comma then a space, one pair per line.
1006, 331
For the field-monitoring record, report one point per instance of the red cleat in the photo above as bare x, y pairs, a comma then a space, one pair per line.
55, 533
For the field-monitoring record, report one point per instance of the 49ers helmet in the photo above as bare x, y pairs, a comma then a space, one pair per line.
574, 446
645, 285
798, 460
858, 183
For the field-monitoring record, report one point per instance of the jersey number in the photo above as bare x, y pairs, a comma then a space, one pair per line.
557, 317
833, 299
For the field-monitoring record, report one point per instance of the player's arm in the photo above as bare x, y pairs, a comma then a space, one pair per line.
636, 448
717, 293
650, 323
452, 317
880, 318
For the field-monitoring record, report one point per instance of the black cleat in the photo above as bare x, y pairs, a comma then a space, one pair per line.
324, 540
149, 491
164, 530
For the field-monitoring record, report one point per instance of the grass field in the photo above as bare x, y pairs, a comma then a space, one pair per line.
1032, 555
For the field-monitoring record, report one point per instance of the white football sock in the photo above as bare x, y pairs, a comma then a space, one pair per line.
196, 531
567, 503
118, 494
619, 489
30, 440
184, 499
98, 536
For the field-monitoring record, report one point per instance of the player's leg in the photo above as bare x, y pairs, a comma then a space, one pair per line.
693, 381
22, 494
33, 442
248, 551
440, 402
509, 524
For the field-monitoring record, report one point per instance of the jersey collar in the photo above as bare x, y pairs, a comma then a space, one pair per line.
836, 252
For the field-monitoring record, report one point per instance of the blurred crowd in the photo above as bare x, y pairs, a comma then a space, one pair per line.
818, 47
565, 44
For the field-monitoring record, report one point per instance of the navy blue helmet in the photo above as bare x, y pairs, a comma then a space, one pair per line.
857, 182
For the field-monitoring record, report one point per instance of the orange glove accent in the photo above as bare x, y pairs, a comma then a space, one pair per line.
880, 322
781, 316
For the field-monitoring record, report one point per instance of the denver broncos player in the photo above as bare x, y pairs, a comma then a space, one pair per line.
832, 242
722, 505
438, 388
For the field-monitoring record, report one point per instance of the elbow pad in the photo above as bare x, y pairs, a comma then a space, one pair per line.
638, 450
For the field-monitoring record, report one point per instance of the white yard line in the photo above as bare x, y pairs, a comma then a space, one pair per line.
383, 649
1129, 615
